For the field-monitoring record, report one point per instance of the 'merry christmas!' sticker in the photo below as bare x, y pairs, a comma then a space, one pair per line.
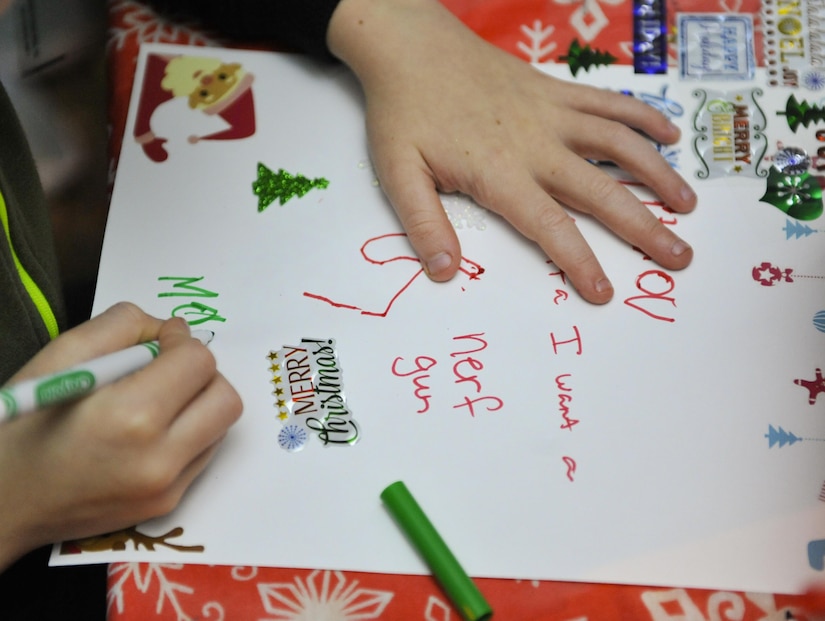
309, 395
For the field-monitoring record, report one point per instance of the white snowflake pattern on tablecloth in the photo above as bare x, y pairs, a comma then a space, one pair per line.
673, 604
436, 610
120, 574
538, 47
589, 19
326, 595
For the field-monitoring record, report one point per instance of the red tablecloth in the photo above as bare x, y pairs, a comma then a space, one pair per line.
534, 30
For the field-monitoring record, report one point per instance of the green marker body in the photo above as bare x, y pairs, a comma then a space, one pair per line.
30, 395
458, 586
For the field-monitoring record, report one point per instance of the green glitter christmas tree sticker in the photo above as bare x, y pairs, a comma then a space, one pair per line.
282, 186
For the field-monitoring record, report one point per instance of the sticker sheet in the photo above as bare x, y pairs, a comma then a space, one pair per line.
675, 436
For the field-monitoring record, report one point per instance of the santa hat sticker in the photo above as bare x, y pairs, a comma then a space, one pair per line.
208, 85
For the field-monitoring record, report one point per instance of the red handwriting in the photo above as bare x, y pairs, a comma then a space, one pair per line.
561, 294
465, 373
421, 374
492, 404
564, 392
670, 284
577, 339
635, 301
571, 466
565, 397
371, 251
664, 220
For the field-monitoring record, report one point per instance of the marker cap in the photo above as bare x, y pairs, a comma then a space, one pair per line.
458, 586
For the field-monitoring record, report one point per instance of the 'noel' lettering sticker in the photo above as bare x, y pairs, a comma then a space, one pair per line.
793, 40
308, 387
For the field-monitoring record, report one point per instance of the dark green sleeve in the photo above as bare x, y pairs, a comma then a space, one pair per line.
298, 24
22, 331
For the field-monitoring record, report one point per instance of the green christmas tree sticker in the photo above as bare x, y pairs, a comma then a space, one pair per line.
282, 186
798, 113
579, 57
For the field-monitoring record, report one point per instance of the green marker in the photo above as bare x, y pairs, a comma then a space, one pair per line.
453, 579
31, 395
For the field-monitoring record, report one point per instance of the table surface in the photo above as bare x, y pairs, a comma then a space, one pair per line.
536, 31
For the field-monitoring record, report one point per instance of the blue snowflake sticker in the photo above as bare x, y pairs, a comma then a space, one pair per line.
292, 438
813, 80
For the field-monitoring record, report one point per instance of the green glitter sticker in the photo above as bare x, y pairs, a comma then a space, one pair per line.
282, 186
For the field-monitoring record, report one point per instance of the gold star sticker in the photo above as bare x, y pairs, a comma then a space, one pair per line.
283, 415
273, 355
276, 379
275, 367
281, 403
279, 391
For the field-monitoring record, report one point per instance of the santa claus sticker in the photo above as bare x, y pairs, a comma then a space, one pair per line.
217, 95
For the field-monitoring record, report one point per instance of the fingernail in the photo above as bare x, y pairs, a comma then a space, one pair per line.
438, 263
679, 248
603, 285
687, 193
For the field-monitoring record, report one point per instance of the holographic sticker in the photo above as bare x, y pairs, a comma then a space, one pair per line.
802, 113
792, 161
798, 195
793, 42
728, 138
649, 36
716, 46
309, 395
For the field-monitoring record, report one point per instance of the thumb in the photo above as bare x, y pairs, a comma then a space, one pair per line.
411, 190
173, 333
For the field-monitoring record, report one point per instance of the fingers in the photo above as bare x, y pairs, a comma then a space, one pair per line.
171, 415
590, 190
205, 420
120, 326
183, 369
624, 109
410, 187
606, 140
537, 216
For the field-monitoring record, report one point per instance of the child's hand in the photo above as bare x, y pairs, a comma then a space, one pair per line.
121, 455
447, 111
